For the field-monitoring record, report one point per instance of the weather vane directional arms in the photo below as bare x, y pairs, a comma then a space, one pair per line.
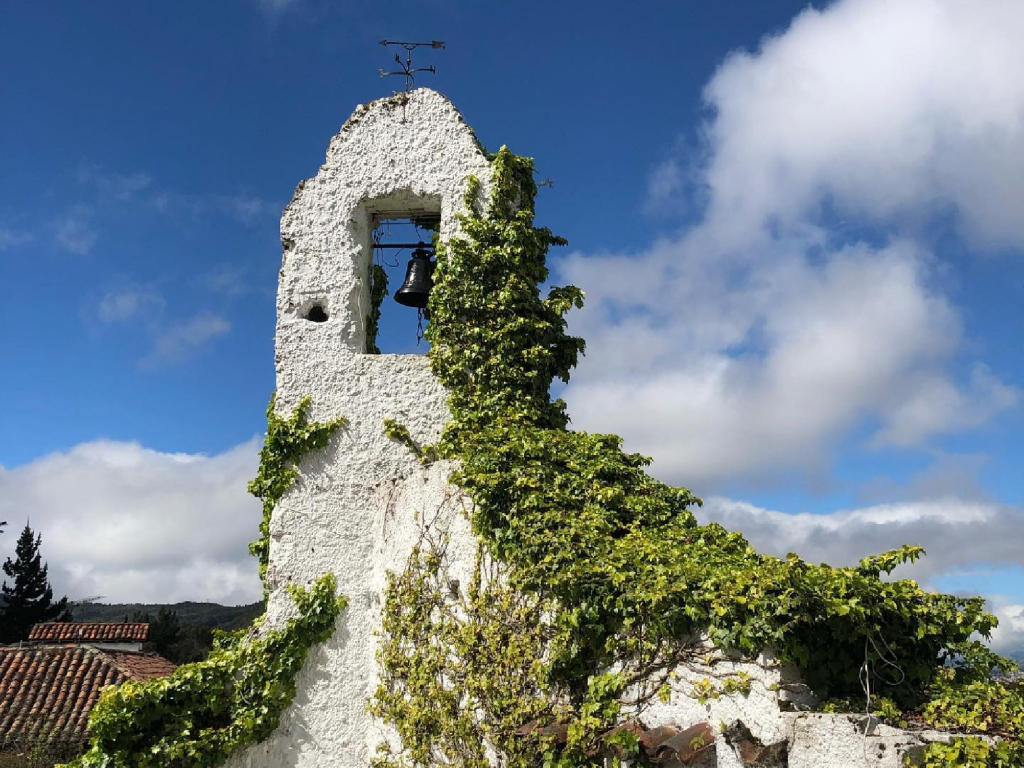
407, 69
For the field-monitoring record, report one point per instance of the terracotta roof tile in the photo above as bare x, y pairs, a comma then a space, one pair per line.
50, 689
89, 632
141, 666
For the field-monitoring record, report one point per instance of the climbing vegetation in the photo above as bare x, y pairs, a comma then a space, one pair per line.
960, 699
287, 440
427, 454
378, 292
605, 581
234, 698
447, 647
206, 710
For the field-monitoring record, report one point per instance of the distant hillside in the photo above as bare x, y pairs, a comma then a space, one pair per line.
209, 615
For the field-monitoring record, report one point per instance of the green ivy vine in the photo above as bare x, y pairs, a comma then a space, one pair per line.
207, 710
961, 700
427, 454
287, 441
606, 576
446, 649
378, 292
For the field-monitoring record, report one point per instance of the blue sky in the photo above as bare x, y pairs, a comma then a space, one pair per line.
797, 225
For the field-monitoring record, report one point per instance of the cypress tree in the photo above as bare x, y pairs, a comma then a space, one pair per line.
29, 600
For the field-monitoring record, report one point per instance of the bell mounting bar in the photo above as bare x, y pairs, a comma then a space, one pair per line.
407, 69
420, 244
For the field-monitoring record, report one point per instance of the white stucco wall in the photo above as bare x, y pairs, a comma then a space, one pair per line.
359, 505
352, 510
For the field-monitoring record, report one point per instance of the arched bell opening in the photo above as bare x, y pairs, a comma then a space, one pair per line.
403, 237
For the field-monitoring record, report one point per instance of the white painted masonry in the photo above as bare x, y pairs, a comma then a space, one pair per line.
352, 510
360, 505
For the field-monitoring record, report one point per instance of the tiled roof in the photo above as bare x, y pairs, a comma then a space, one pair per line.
89, 632
141, 666
50, 689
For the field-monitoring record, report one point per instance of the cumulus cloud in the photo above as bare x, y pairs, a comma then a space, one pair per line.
134, 524
762, 336
1008, 637
178, 342
935, 405
880, 109
720, 369
74, 230
956, 533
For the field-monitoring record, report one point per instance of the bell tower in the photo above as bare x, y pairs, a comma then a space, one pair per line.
358, 506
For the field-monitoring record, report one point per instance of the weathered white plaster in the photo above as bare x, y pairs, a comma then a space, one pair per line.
361, 504
774, 710
818, 739
358, 506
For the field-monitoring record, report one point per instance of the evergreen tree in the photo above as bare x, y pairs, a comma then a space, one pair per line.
3, 603
29, 599
164, 630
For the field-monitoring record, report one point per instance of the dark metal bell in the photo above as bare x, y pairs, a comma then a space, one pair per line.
418, 280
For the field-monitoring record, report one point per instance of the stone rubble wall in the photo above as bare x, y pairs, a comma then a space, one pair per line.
771, 725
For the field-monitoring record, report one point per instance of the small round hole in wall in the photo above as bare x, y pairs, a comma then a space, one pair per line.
316, 313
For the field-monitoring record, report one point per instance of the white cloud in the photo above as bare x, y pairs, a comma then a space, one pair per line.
11, 238
111, 184
135, 524
879, 109
180, 341
74, 231
109, 187
720, 369
228, 280
245, 209
935, 405
1008, 637
143, 307
956, 534
130, 303
758, 339
947, 476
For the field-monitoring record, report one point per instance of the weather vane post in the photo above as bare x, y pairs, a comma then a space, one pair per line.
406, 66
